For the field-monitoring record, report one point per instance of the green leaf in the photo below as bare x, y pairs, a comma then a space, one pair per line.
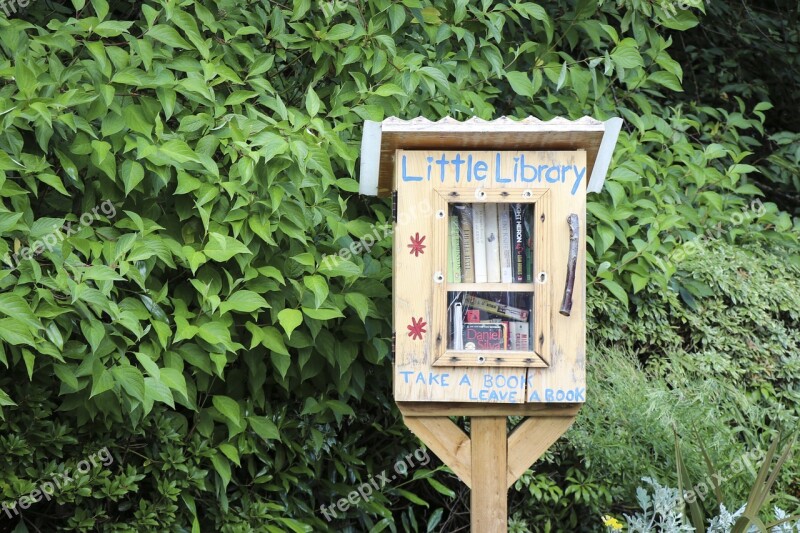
148, 364
282, 362
230, 452
178, 151
100, 8
339, 31
289, 320
520, 83
318, 286
5, 399
413, 498
616, 290
322, 314
222, 247
154, 391
229, 408
389, 89
130, 379
13, 306
667, 79
53, 181
238, 97
359, 302
562, 77
244, 301
132, 174
102, 381
264, 427
168, 35
67, 377
174, 379
638, 282
25, 78
223, 468
313, 103
273, 340
15, 332
626, 54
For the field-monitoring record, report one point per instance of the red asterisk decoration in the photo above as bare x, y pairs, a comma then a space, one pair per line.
416, 245
417, 328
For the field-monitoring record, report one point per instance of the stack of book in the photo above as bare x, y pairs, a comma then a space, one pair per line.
490, 324
490, 243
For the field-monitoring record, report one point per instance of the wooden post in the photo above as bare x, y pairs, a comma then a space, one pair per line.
489, 495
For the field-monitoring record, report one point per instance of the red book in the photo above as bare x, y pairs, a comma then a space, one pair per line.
485, 336
473, 316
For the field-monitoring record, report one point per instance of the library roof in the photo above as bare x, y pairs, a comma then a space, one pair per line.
381, 139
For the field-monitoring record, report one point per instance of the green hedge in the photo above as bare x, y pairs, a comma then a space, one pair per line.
172, 175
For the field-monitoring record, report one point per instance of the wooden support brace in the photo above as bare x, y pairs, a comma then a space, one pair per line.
488, 460
529, 440
447, 441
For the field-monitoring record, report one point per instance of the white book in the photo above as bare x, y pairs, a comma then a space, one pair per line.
458, 326
504, 223
492, 245
519, 337
479, 238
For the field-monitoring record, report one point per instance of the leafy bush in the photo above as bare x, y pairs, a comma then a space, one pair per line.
194, 329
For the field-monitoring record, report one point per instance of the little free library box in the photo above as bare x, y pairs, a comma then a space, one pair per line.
489, 278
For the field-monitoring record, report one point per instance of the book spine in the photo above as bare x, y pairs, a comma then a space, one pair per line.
518, 240
479, 238
492, 245
520, 340
504, 228
527, 235
514, 313
458, 326
465, 227
454, 253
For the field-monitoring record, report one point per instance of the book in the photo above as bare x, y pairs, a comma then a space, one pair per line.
519, 338
527, 237
454, 252
473, 315
504, 230
492, 245
479, 240
518, 240
496, 308
464, 214
458, 326
483, 336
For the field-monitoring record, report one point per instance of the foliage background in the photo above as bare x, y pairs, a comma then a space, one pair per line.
240, 382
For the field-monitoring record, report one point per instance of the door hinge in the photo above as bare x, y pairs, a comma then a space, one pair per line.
394, 344
394, 207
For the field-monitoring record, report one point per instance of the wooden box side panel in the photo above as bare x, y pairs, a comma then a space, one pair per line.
565, 380
416, 241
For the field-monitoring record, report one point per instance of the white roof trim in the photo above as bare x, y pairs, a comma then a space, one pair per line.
604, 154
370, 158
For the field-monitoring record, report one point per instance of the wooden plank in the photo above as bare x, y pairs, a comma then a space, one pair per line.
530, 440
492, 287
428, 409
445, 439
489, 494
489, 359
565, 340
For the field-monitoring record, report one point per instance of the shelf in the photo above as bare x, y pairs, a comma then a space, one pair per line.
490, 358
491, 287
